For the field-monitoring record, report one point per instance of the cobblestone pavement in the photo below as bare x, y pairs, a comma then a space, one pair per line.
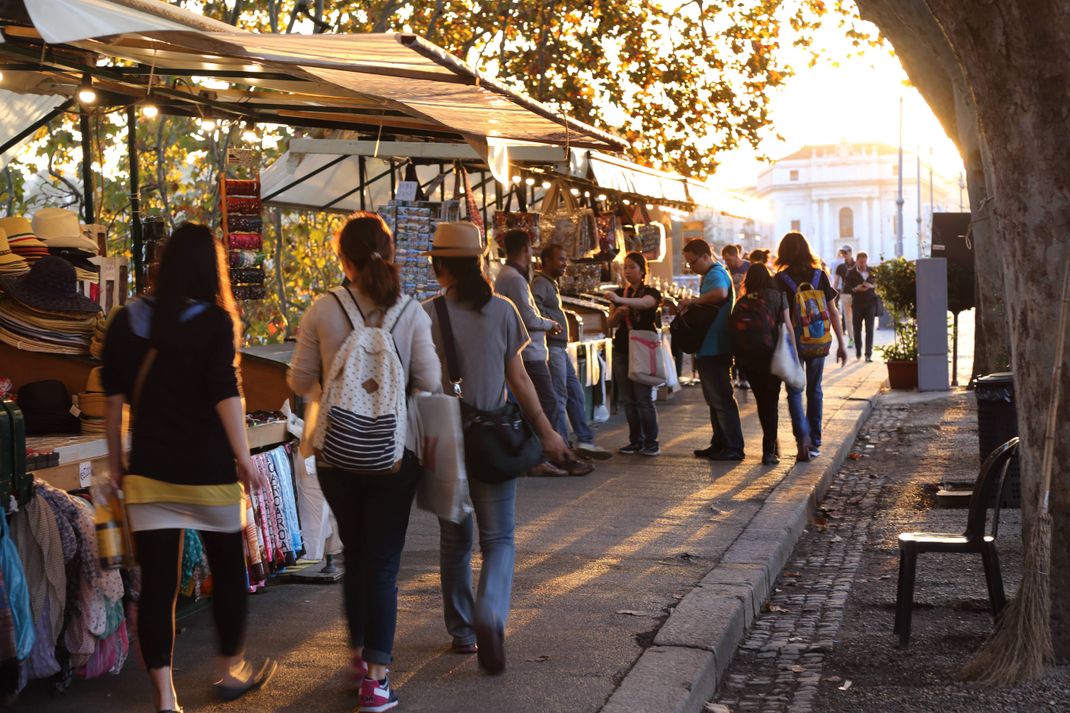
779, 664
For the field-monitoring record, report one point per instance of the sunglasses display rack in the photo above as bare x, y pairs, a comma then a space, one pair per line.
243, 234
413, 225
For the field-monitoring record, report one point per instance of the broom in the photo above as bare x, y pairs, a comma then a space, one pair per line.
1020, 647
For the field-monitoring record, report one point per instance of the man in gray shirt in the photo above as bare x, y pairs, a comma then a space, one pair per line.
570, 399
512, 283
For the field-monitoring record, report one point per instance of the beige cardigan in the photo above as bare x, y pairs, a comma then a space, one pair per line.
325, 326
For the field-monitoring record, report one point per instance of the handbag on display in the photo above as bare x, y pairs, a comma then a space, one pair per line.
561, 219
646, 361
522, 219
688, 329
435, 421
785, 363
499, 445
610, 235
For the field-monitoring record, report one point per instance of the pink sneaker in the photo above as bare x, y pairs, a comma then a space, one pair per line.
376, 696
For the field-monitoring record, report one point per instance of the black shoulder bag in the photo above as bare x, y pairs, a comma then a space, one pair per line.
498, 445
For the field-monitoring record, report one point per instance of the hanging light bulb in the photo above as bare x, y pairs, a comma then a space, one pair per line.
626, 202
574, 191
650, 206
601, 197
516, 179
86, 93
586, 194
208, 123
149, 110
546, 185
249, 135
530, 181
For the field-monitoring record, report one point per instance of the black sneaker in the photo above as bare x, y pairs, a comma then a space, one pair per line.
650, 451
630, 450
770, 459
706, 453
727, 455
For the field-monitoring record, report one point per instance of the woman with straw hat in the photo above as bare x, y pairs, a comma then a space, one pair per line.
476, 316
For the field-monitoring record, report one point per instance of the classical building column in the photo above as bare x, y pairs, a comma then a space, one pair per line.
876, 230
862, 229
814, 229
829, 232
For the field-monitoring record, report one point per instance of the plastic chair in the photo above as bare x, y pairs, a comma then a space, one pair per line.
987, 492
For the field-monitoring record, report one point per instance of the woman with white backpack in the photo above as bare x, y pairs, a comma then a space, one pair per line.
366, 345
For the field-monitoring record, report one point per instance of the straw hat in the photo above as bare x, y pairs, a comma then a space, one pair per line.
10, 263
21, 238
60, 228
50, 285
459, 239
94, 384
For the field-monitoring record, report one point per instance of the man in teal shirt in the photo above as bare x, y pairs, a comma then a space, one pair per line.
714, 358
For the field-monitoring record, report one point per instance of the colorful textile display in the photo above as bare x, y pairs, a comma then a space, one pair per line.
273, 538
241, 206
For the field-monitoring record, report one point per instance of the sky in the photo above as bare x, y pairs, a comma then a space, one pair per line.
844, 97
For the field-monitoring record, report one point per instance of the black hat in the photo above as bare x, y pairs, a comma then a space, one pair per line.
50, 285
46, 406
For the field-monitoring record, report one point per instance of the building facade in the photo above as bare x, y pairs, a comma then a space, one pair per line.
845, 194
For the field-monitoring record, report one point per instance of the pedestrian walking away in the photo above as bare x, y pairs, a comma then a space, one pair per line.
173, 357
797, 268
635, 306
544, 289
371, 508
737, 267
512, 283
756, 320
861, 282
714, 358
478, 316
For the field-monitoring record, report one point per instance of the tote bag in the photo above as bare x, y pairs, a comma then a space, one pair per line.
646, 362
785, 362
439, 444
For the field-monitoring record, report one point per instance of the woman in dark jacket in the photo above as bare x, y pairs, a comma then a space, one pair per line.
173, 358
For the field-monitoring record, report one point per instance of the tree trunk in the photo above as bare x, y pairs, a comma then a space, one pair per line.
1014, 56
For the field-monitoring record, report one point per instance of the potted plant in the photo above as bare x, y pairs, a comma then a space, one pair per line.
897, 283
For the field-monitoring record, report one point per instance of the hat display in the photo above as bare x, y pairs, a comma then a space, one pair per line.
46, 406
21, 239
60, 228
10, 263
50, 285
93, 403
457, 239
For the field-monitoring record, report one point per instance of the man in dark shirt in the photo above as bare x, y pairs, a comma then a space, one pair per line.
861, 284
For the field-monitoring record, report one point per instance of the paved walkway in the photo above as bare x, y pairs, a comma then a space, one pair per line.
617, 574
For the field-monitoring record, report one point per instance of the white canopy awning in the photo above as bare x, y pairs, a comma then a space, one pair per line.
400, 83
19, 112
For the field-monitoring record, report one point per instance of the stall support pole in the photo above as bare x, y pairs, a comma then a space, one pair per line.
483, 183
362, 174
87, 166
135, 197
442, 186
393, 182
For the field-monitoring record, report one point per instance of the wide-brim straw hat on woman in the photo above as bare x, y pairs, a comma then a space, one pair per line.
51, 286
458, 239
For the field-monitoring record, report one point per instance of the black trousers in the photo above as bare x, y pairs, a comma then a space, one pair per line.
766, 389
159, 552
864, 314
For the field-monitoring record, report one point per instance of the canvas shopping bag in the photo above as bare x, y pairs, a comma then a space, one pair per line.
439, 445
785, 362
560, 222
646, 364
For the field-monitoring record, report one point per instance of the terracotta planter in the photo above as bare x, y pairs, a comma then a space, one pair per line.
903, 375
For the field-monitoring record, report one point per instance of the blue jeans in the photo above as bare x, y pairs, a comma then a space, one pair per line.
638, 403
808, 424
558, 362
495, 515
373, 515
577, 405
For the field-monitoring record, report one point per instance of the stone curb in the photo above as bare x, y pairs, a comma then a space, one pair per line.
696, 644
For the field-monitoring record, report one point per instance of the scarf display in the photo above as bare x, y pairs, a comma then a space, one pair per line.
273, 532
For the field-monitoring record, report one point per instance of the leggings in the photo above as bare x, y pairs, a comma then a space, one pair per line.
160, 556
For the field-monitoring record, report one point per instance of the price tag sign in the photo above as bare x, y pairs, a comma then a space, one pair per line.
407, 191
85, 474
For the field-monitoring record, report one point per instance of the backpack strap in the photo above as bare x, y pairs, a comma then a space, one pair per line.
783, 275
448, 346
817, 278
344, 304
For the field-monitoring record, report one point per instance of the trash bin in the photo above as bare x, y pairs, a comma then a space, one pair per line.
997, 423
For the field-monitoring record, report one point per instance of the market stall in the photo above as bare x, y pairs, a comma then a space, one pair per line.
136, 55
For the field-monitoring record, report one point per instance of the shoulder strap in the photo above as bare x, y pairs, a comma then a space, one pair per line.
446, 330
783, 275
346, 308
817, 278
405, 302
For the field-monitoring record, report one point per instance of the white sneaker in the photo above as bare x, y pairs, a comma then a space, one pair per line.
590, 450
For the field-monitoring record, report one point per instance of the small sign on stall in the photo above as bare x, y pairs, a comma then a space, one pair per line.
407, 191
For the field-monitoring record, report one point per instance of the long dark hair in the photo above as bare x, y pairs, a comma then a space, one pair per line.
640, 261
469, 283
365, 241
794, 253
757, 278
192, 268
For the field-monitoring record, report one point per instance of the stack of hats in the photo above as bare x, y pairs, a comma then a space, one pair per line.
100, 331
91, 403
43, 311
22, 240
61, 232
10, 263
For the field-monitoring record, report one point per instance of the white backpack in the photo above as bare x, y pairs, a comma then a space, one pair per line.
363, 418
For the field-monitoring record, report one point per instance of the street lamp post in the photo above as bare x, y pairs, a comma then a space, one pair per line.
917, 157
899, 198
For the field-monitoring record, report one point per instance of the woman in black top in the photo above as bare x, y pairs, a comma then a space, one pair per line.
173, 358
758, 285
797, 264
635, 306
